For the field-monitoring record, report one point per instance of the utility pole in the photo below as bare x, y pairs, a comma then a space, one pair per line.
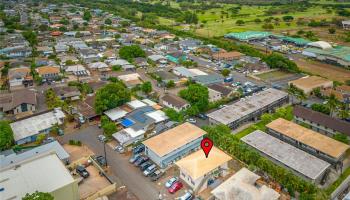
104, 149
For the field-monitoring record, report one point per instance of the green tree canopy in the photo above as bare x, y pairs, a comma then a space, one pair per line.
87, 15
225, 72
146, 87
6, 135
131, 52
197, 95
276, 60
108, 21
111, 96
38, 196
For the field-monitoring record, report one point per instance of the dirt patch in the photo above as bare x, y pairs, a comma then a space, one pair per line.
328, 71
122, 193
77, 152
93, 183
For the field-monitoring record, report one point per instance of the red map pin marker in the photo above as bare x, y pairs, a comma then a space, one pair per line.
206, 145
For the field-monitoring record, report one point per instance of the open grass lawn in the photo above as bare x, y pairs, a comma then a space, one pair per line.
216, 26
274, 75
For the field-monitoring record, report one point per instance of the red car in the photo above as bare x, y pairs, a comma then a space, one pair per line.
175, 187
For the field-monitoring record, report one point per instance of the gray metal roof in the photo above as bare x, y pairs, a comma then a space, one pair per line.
50, 147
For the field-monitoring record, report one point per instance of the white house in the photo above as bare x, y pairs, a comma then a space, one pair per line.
198, 171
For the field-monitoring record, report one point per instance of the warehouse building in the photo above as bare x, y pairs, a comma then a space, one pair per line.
308, 140
320, 122
299, 162
173, 144
339, 55
248, 35
251, 108
43, 173
309, 83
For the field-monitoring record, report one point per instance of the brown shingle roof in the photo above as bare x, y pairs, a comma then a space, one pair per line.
174, 100
12, 100
322, 119
48, 70
220, 88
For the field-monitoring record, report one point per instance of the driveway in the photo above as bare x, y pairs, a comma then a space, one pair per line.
126, 173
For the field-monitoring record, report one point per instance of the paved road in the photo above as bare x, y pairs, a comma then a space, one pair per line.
129, 175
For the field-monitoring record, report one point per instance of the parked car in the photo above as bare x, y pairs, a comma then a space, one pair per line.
145, 165
156, 175
202, 116
141, 160
171, 181
101, 160
150, 170
134, 158
191, 120
119, 149
82, 171
81, 119
175, 187
186, 196
138, 149
102, 138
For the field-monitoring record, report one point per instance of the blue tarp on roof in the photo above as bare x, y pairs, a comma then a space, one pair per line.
127, 123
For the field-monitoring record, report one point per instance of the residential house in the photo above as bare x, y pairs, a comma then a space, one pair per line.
173, 144
244, 185
67, 93
218, 92
208, 79
27, 129
48, 73
101, 66
19, 77
18, 102
199, 171
320, 122
89, 55
174, 102
16, 52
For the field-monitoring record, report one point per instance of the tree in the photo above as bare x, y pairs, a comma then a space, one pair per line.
170, 84
38, 196
6, 135
31, 37
146, 87
240, 22
288, 18
320, 108
276, 60
108, 21
109, 128
331, 30
111, 96
225, 72
87, 15
40, 138
257, 20
190, 17
196, 95
332, 103
131, 52
173, 115
267, 26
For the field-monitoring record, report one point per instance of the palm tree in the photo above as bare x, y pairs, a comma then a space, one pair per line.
332, 103
291, 91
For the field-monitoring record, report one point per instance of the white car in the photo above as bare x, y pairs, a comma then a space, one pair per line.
191, 120
171, 181
119, 149
101, 138
186, 196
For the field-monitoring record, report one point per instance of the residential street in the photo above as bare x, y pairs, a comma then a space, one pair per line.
129, 175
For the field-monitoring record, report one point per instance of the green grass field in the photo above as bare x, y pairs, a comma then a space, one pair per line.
214, 25
273, 75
